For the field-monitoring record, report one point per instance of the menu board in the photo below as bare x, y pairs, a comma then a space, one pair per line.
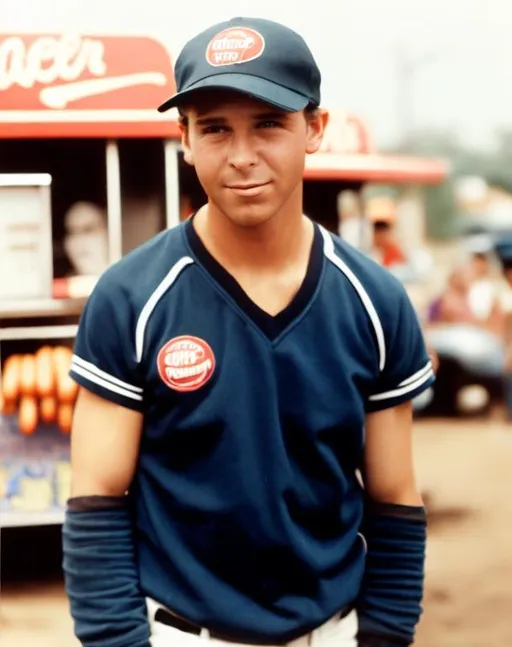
26, 259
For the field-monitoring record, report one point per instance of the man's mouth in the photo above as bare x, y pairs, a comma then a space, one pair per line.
249, 189
247, 186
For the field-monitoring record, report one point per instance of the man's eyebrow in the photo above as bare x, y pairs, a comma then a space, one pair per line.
219, 119
208, 121
271, 115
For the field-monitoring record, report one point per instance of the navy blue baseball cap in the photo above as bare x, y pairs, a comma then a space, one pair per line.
260, 58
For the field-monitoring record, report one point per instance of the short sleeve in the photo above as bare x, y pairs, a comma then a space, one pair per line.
408, 369
104, 359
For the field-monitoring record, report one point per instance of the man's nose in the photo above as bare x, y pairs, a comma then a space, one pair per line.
242, 153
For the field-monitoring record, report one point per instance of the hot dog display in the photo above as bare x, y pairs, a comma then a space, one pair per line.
37, 388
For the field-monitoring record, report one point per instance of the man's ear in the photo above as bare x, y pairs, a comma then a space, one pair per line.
185, 141
317, 123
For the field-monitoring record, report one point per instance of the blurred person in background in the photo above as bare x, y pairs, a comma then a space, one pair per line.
471, 296
453, 305
483, 293
86, 239
386, 249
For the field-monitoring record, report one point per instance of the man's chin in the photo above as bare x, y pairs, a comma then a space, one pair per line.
249, 217
251, 221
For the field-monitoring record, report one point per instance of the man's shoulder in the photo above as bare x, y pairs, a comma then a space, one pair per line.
362, 270
136, 275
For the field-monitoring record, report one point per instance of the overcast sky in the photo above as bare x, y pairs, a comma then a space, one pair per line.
464, 83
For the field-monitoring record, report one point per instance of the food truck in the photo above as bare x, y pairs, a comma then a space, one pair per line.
89, 170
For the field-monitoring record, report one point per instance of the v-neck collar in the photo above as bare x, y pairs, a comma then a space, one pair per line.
271, 325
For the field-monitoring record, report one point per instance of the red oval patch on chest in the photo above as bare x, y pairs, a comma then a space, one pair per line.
186, 363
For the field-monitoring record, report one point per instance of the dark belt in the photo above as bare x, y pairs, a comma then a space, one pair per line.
165, 617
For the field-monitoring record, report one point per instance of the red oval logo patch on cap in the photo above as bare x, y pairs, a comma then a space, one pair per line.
234, 45
186, 363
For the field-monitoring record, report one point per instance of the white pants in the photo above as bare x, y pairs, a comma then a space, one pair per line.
334, 633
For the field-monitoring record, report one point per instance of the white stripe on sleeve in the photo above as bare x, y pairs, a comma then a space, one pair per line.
88, 366
408, 388
93, 377
418, 374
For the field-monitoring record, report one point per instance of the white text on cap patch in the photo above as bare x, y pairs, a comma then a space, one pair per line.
234, 45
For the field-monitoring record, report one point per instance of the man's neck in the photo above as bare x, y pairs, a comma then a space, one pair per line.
272, 246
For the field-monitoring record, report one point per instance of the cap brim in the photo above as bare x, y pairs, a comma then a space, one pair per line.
253, 86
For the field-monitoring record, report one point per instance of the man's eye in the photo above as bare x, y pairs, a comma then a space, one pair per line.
268, 123
214, 130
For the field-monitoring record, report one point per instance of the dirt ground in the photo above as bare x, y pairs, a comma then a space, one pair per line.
465, 468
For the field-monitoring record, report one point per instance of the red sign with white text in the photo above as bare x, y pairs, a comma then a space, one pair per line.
346, 133
74, 85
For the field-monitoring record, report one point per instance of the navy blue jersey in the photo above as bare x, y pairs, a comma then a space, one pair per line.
247, 497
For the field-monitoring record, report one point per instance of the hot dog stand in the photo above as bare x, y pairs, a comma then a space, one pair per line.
89, 170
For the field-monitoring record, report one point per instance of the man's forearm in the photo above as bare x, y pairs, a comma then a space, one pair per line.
101, 577
390, 604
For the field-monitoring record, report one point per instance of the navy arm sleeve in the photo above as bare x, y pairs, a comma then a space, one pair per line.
408, 369
100, 573
390, 603
104, 359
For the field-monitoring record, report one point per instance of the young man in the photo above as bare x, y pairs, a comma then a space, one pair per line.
239, 374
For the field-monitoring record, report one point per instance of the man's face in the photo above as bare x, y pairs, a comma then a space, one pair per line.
249, 156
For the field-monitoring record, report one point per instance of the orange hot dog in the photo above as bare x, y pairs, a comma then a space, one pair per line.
28, 375
48, 409
67, 389
28, 415
11, 375
45, 372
